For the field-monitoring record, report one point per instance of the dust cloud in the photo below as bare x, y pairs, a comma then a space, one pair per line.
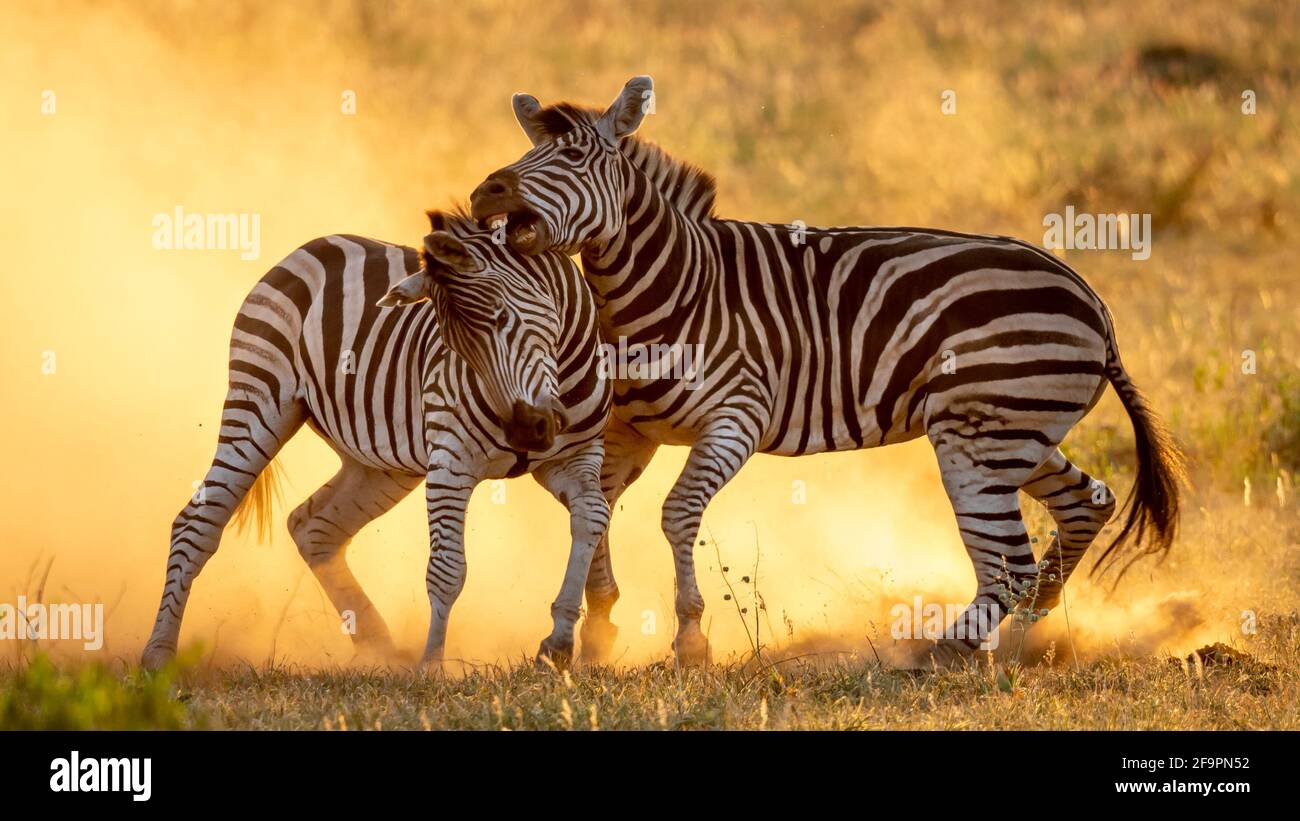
114, 353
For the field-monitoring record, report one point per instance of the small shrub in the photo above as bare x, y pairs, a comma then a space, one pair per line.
40, 696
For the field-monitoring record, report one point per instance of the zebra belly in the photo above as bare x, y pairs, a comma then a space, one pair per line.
358, 447
812, 437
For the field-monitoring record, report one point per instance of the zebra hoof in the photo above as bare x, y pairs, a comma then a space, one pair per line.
383, 654
691, 648
156, 657
554, 655
377, 646
597, 641
430, 666
946, 654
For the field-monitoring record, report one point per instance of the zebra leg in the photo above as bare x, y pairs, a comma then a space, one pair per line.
626, 455
576, 483
1080, 506
252, 432
324, 525
982, 477
446, 490
715, 457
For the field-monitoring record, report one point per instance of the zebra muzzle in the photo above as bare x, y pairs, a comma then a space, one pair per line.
533, 428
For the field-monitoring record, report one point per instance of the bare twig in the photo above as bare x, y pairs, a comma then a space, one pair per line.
275, 634
872, 645
732, 591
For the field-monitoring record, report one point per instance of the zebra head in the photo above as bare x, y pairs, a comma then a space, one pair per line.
497, 311
569, 190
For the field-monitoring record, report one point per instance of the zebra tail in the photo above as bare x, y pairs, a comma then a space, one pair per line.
1151, 510
255, 507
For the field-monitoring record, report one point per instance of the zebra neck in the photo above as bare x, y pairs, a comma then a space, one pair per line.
652, 277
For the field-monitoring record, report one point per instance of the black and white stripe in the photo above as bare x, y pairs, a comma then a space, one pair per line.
493, 374
832, 339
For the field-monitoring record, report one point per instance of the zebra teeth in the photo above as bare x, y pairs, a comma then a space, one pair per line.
496, 220
524, 234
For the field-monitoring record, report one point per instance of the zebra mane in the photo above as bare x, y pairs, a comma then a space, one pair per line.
689, 188
457, 220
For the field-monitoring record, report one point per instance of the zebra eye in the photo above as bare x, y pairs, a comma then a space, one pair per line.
571, 154
502, 319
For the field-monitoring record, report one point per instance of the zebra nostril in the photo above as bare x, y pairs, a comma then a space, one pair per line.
492, 188
530, 427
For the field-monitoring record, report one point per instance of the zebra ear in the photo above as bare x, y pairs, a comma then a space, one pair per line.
451, 252
625, 114
526, 110
413, 289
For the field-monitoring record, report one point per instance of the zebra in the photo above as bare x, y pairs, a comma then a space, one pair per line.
827, 339
492, 375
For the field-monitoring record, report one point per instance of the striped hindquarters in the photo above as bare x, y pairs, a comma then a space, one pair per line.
310, 331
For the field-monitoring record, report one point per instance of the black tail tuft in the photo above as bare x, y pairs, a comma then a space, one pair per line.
1151, 510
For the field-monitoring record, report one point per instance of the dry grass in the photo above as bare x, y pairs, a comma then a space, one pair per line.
844, 693
1092, 676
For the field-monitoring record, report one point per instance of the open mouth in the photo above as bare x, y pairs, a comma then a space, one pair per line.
523, 229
